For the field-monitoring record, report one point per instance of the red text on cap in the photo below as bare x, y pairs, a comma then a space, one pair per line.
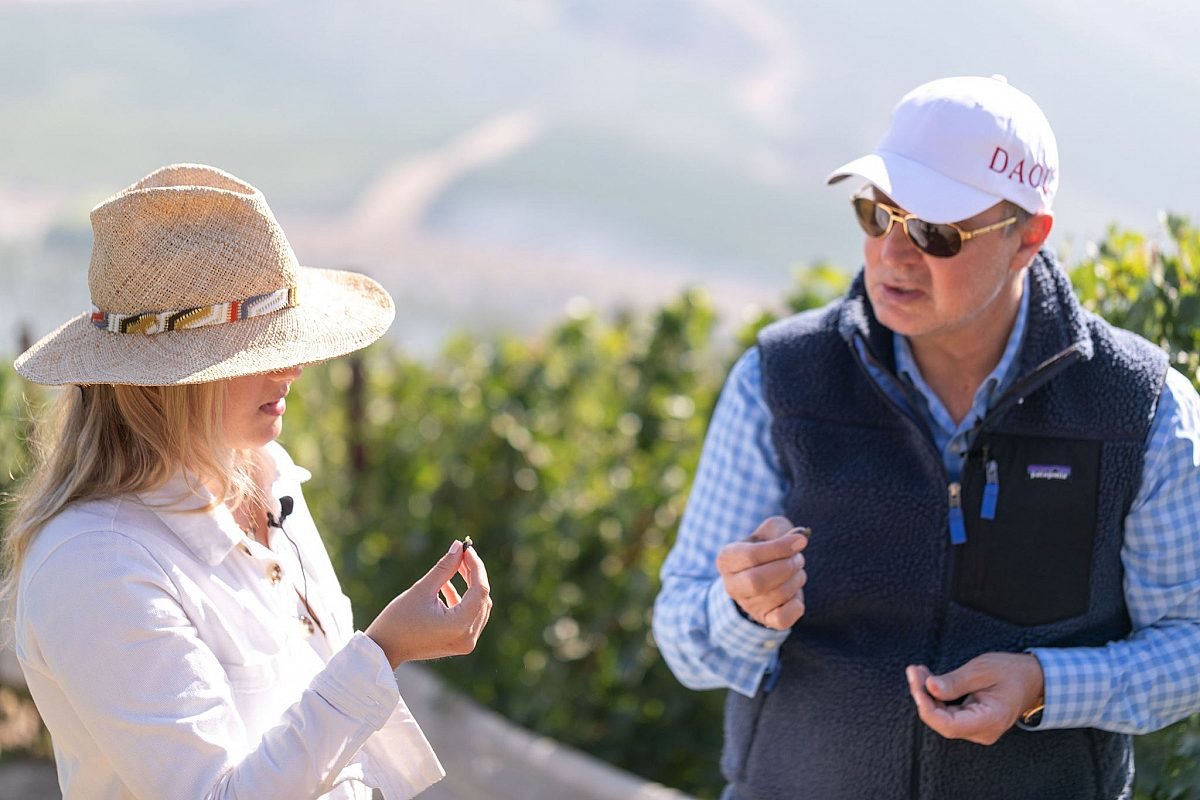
1038, 176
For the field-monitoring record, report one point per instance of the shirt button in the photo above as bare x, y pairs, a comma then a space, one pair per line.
274, 574
307, 625
769, 645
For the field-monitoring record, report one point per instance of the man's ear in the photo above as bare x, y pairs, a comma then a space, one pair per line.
1033, 235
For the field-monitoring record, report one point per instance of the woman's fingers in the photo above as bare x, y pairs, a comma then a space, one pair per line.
473, 571
443, 570
450, 594
477, 600
432, 618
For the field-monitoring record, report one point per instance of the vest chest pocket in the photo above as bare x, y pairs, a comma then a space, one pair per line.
1030, 509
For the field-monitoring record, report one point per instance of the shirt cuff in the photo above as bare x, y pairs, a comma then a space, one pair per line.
739, 636
358, 681
1077, 687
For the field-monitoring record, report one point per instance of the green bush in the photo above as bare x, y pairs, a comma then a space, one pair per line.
16, 398
1136, 284
568, 459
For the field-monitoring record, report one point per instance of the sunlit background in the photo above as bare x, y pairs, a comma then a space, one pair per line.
496, 163
490, 160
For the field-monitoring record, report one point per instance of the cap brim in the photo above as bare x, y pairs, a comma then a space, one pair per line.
338, 312
916, 188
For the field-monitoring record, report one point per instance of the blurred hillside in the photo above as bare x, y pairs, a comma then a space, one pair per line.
490, 160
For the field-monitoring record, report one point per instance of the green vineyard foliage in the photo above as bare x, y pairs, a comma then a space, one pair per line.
568, 458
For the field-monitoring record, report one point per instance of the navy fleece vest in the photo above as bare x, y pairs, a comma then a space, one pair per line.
1040, 567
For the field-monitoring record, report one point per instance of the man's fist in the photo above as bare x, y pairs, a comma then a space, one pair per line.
764, 574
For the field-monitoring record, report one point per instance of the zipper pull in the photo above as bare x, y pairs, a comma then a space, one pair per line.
991, 491
958, 527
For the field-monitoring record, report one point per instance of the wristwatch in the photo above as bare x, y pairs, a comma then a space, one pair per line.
1033, 716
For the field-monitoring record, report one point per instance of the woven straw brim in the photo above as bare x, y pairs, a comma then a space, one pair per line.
338, 313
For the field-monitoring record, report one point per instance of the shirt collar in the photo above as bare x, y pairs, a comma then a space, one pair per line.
212, 534
993, 385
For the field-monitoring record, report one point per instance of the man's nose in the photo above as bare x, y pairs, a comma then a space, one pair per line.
897, 247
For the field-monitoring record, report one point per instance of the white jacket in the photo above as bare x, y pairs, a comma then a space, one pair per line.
166, 652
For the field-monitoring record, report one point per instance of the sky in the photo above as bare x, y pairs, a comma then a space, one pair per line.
491, 161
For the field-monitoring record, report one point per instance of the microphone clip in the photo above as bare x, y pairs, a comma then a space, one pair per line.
286, 504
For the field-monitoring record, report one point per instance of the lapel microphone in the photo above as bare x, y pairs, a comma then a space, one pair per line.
286, 504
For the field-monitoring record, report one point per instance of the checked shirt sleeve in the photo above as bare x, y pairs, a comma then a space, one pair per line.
706, 642
1151, 678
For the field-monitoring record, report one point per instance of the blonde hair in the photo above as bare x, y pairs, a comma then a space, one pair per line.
108, 440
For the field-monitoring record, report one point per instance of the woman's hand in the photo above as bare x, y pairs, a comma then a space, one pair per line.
420, 625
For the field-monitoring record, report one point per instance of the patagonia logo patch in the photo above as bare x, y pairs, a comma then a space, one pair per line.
1048, 472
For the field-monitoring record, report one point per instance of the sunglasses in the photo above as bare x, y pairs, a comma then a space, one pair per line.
937, 239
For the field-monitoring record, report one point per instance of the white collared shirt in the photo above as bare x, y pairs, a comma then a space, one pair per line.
166, 653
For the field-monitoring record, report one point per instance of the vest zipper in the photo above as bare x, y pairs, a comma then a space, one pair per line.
1042, 373
991, 489
958, 527
1013, 396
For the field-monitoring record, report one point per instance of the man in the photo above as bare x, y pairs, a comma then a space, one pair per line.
1002, 579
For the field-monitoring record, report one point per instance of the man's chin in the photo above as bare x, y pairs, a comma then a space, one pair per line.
904, 321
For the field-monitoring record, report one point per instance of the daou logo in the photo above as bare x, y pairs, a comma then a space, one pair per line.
1037, 176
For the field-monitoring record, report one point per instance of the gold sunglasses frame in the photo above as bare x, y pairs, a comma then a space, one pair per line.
895, 215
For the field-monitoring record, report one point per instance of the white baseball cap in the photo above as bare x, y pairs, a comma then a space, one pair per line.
957, 146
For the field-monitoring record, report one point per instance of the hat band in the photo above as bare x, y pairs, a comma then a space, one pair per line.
151, 322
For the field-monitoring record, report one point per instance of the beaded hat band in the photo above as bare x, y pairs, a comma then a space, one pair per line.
151, 322
205, 246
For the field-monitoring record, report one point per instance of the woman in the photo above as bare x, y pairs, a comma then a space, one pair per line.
176, 614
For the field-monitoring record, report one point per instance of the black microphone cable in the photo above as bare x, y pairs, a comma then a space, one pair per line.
286, 504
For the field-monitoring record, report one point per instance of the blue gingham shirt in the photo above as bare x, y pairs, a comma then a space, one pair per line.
1138, 684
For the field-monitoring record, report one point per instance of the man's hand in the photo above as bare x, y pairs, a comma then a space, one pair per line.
764, 574
995, 688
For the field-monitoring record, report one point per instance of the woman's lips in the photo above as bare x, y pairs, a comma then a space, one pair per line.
275, 408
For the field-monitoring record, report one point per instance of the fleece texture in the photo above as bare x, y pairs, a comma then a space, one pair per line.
887, 588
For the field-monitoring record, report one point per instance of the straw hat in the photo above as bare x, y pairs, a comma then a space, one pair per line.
192, 280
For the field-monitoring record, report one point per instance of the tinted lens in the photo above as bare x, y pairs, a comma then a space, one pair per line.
939, 241
873, 219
